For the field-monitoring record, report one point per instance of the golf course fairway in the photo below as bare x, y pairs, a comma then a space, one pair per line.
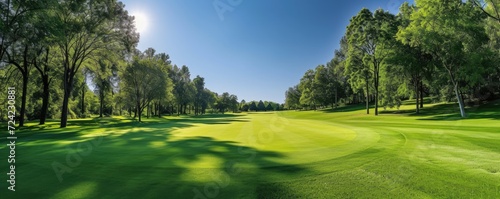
342, 153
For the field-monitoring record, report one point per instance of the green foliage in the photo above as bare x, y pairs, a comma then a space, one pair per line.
253, 106
145, 80
427, 49
261, 106
292, 97
454, 33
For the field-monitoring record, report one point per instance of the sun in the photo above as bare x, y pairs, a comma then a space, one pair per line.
141, 22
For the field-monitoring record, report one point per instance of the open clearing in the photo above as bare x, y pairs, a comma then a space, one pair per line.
311, 154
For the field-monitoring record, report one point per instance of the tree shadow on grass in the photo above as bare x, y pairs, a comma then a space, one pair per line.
81, 126
451, 112
145, 162
347, 108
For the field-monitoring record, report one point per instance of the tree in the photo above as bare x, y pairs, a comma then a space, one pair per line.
261, 106
489, 7
253, 106
320, 83
306, 86
336, 81
102, 76
144, 80
269, 107
209, 99
453, 33
224, 102
184, 89
407, 66
20, 38
370, 38
42, 65
292, 97
85, 27
233, 103
199, 84
358, 72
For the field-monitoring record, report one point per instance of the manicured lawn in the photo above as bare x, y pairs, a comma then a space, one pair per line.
311, 154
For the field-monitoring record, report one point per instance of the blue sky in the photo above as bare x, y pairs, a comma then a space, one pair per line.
258, 48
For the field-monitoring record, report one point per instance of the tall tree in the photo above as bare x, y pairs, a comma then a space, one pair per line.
20, 38
261, 106
199, 84
372, 35
292, 97
320, 85
306, 86
253, 106
85, 27
453, 32
407, 65
144, 80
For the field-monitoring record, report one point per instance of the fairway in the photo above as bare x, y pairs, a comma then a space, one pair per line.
264, 155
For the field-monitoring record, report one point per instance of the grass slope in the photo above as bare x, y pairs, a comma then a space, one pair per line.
340, 153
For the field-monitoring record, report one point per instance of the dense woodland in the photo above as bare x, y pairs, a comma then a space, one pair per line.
78, 59
446, 51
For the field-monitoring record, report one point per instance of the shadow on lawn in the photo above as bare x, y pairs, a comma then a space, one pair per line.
451, 112
347, 108
147, 162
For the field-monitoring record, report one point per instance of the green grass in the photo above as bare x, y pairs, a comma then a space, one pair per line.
340, 153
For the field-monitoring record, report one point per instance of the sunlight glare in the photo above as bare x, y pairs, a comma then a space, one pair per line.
141, 22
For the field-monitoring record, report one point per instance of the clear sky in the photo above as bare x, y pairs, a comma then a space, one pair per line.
256, 49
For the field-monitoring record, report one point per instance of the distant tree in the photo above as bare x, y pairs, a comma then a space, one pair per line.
269, 107
261, 106
320, 86
227, 101
184, 89
253, 106
292, 97
306, 87
233, 103
244, 106
144, 80
199, 84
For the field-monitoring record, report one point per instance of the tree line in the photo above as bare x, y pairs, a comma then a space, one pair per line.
445, 50
53, 50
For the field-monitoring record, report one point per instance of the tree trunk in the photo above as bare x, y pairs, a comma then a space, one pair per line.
68, 84
23, 99
460, 101
159, 110
367, 99
83, 101
135, 111
377, 76
64, 113
101, 103
417, 104
45, 99
421, 94
148, 112
139, 111
336, 97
